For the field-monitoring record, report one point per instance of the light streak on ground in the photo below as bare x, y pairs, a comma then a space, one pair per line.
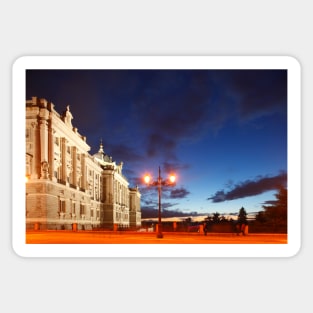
122, 237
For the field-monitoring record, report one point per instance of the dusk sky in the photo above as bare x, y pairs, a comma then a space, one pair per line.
223, 132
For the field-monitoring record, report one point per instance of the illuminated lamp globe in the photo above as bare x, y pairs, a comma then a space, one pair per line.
147, 179
172, 179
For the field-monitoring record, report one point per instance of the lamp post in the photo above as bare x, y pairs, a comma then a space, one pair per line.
159, 183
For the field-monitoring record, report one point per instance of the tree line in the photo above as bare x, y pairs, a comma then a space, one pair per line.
273, 218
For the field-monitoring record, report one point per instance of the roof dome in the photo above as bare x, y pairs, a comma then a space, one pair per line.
102, 156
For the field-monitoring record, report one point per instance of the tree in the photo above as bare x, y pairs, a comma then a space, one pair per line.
261, 217
242, 216
216, 217
208, 218
188, 220
276, 213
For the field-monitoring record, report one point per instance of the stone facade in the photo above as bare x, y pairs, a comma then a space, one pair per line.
67, 188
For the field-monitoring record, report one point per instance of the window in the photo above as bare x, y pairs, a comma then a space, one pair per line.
62, 206
82, 209
96, 193
27, 134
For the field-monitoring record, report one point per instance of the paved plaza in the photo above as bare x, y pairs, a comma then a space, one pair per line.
128, 237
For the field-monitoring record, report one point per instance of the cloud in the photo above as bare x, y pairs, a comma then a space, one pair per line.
174, 167
149, 212
171, 107
155, 111
270, 202
125, 153
158, 144
180, 106
179, 193
168, 193
250, 188
256, 92
151, 205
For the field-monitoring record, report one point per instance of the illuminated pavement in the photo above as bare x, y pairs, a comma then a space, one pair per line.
127, 237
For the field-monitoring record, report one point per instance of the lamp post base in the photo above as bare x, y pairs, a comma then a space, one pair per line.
159, 235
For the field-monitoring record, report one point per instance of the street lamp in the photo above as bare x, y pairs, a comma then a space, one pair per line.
159, 183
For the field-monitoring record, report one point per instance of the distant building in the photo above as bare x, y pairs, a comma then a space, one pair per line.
66, 186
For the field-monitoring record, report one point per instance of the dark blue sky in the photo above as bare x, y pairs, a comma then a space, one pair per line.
224, 132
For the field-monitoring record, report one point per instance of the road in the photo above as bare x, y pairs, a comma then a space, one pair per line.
127, 237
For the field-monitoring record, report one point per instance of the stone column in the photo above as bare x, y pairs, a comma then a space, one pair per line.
74, 164
63, 159
51, 152
83, 171
43, 128
35, 164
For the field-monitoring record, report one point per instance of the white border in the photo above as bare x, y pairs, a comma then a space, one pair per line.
157, 62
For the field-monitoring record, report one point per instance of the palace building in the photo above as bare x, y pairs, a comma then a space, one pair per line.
66, 187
